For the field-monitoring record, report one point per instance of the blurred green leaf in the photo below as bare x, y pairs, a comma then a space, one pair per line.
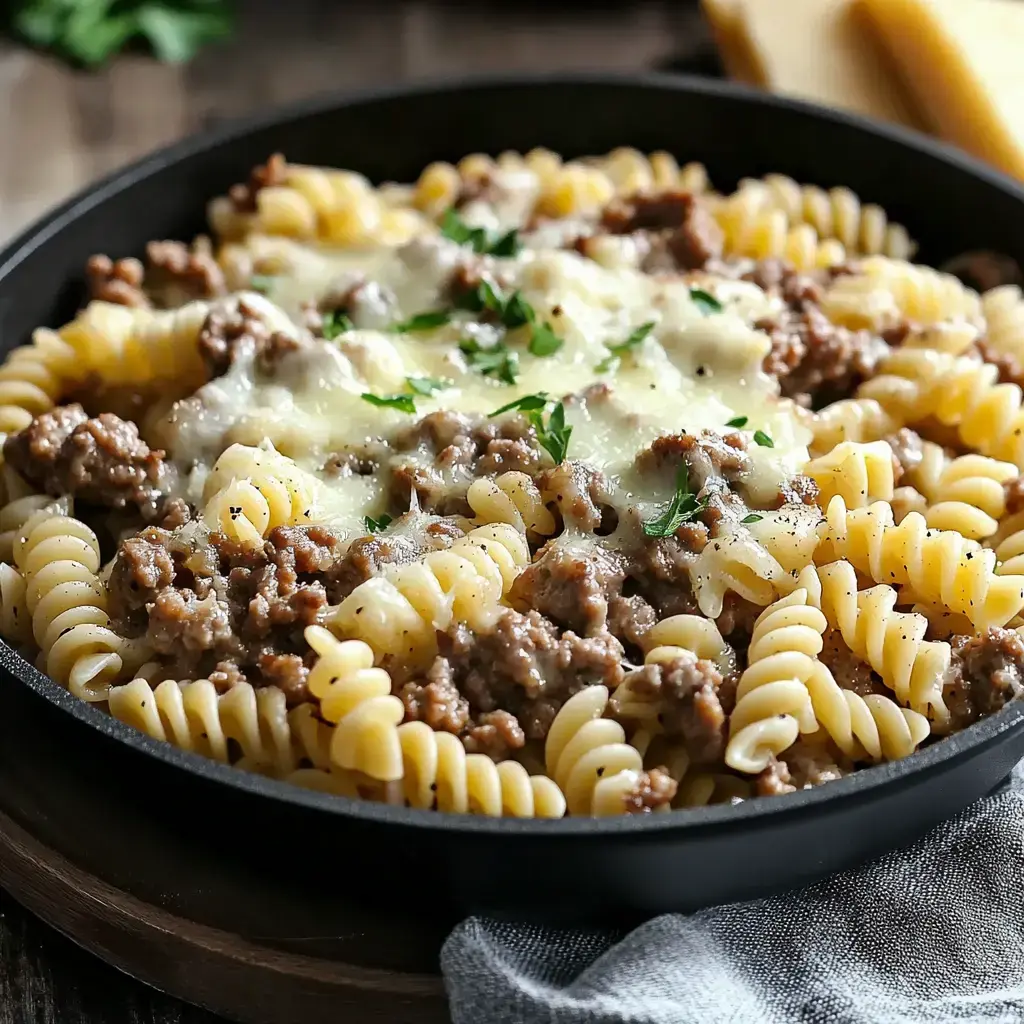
88, 32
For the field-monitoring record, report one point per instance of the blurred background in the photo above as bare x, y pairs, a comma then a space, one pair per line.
88, 97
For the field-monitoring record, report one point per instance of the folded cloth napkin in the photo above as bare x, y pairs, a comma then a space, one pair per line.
926, 935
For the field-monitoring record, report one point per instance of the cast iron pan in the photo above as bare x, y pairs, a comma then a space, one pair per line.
234, 850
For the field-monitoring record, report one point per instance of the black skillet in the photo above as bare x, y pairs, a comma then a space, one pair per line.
238, 851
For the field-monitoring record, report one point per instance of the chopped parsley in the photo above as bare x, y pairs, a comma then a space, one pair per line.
426, 385
335, 324
493, 361
683, 507
512, 311
752, 518
761, 438
478, 239
617, 351
403, 403
705, 302
528, 403
553, 435
376, 525
739, 421
423, 322
261, 283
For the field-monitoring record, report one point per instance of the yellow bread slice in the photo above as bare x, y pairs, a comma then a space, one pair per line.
820, 50
726, 21
964, 61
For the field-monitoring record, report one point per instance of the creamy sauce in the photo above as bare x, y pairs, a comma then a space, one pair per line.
693, 371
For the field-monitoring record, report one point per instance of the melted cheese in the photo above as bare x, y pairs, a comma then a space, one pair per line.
962, 62
692, 371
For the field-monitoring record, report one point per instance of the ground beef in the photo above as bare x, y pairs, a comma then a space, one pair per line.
849, 671
736, 623
707, 456
117, 281
775, 780
812, 763
494, 733
272, 173
686, 692
1014, 490
630, 619
984, 269
815, 360
408, 537
100, 459
525, 666
571, 587
660, 572
986, 672
462, 448
174, 513
225, 335
177, 273
798, 490
1011, 371
215, 602
907, 451
654, 789
436, 700
581, 493
682, 233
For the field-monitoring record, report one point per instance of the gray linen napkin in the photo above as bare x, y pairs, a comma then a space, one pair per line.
926, 935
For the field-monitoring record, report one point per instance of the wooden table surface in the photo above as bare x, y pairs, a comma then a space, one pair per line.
61, 129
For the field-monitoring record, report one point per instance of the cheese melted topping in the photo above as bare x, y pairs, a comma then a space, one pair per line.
696, 368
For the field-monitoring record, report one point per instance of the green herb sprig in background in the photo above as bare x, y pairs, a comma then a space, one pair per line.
89, 32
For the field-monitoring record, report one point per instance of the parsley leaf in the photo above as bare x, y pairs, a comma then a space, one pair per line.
507, 245
752, 518
761, 438
617, 351
403, 403
705, 302
455, 228
544, 341
528, 403
516, 311
494, 361
483, 296
683, 507
422, 322
336, 323
427, 385
261, 283
376, 525
739, 421
553, 435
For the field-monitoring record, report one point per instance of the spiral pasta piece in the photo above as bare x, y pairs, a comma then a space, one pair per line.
857, 472
193, 716
772, 703
357, 697
15, 620
59, 557
754, 231
863, 228
584, 752
687, 634
939, 565
251, 490
891, 642
33, 377
511, 498
1004, 318
438, 773
964, 494
850, 419
884, 291
400, 611
918, 384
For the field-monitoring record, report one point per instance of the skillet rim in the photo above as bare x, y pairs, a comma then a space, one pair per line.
861, 786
